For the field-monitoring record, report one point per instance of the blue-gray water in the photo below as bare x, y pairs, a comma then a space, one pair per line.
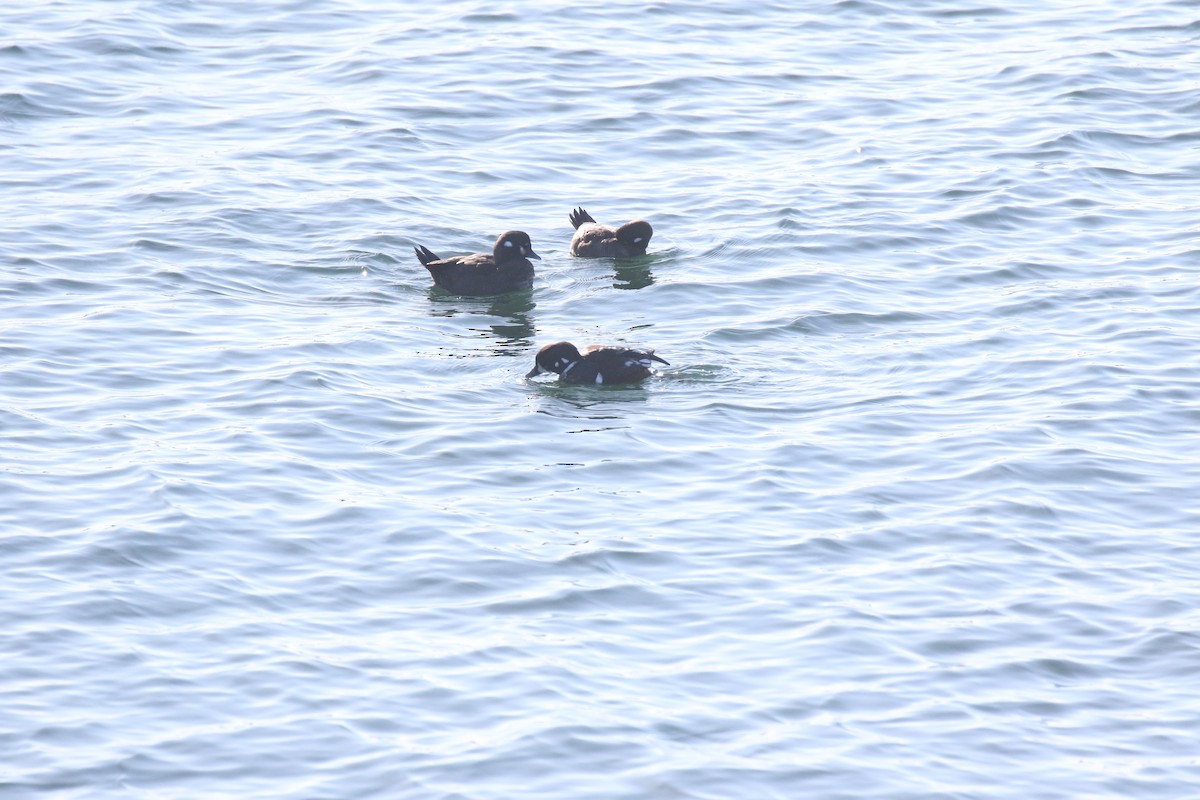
913, 513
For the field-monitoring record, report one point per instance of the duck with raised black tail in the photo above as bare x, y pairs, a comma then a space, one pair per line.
593, 240
597, 364
506, 269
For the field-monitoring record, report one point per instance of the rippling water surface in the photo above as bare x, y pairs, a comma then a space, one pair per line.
913, 513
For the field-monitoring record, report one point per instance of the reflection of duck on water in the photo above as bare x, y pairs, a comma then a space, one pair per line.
517, 329
634, 274
513, 331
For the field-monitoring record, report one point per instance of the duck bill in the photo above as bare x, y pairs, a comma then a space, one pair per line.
533, 255
533, 373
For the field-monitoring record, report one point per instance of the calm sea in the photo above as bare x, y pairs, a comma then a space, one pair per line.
914, 513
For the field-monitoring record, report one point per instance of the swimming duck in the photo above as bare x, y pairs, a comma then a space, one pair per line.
593, 240
505, 269
600, 365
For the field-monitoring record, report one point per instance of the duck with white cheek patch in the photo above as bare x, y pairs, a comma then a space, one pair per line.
506, 269
593, 240
597, 365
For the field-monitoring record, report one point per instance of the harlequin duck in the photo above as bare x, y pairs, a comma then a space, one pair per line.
597, 364
593, 240
505, 269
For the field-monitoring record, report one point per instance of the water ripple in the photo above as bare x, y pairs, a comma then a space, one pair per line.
909, 514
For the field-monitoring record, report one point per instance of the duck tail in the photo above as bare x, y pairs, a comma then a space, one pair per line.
425, 255
579, 216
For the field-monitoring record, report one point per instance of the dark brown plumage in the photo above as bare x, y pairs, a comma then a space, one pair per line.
593, 240
505, 269
597, 364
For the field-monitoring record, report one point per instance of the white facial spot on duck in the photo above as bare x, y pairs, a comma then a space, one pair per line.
599, 378
637, 240
508, 244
